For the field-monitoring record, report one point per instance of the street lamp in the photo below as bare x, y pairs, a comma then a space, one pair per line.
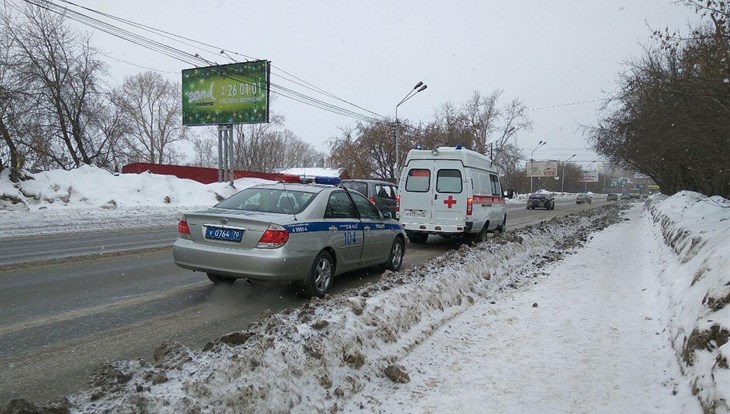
539, 144
585, 187
418, 88
562, 184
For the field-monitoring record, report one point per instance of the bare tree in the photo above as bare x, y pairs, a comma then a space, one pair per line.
151, 105
60, 69
205, 151
13, 100
481, 116
269, 147
671, 118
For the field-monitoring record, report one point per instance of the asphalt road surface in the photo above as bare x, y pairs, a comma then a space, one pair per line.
69, 303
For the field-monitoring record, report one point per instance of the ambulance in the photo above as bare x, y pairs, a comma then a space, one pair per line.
450, 192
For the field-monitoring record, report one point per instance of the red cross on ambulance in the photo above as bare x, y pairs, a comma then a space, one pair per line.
450, 201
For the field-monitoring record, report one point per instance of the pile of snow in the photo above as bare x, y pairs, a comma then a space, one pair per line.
90, 198
697, 287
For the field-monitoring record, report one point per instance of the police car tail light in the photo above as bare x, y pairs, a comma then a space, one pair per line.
469, 206
274, 237
183, 230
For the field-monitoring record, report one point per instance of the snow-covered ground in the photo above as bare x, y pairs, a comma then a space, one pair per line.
611, 310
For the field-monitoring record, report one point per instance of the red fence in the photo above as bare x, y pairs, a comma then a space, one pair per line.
201, 174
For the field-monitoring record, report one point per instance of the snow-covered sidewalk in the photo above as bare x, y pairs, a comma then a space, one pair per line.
585, 337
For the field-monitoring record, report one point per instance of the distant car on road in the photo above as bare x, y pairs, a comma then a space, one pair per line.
541, 200
625, 196
583, 198
381, 193
612, 197
300, 232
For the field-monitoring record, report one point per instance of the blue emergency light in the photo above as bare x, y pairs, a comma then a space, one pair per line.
327, 180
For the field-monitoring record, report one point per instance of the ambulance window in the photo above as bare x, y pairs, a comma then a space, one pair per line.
448, 181
496, 189
418, 180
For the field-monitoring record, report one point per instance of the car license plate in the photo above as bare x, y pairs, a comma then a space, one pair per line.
414, 213
219, 233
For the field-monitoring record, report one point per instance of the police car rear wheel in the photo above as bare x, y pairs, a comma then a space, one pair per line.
218, 279
396, 255
320, 277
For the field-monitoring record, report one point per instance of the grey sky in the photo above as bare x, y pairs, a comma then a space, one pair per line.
547, 53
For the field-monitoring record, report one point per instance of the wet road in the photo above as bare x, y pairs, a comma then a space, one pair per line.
65, 307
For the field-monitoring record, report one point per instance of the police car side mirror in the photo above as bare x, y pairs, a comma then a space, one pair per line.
387, 215
509, 193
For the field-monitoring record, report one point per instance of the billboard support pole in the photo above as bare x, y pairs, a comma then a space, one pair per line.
225, 153
220, 154
230, 156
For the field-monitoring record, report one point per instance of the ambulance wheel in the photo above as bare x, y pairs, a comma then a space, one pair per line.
482, 235
502, 227
417, 238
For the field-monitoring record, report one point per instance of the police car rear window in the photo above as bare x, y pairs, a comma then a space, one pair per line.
268, 200
418, 180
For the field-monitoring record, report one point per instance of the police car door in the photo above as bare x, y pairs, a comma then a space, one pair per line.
344, 229
450, 193
378, 237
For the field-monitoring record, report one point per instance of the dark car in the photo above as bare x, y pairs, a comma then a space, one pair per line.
612, 197
381, 193
541, 200
583, 198
625, 196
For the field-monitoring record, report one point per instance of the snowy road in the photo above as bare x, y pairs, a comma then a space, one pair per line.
585, 337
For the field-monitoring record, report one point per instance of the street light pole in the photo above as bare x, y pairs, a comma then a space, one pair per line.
562, 184
418, 88
539, 144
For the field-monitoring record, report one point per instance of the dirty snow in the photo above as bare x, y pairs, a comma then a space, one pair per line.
612, 310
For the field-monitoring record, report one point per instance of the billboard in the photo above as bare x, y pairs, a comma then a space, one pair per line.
589, 177
226, 94
542, 168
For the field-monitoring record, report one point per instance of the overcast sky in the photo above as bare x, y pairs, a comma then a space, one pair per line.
371, 53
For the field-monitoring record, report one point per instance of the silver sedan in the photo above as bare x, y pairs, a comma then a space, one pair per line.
300, 232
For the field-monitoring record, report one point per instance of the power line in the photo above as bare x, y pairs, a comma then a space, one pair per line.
191, 42
565, 104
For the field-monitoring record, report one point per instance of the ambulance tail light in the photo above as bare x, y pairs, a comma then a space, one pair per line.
397, 203
469, 206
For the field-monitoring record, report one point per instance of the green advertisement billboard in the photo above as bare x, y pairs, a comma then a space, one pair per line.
227, 94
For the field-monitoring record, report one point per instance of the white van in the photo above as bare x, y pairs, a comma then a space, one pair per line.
450, 191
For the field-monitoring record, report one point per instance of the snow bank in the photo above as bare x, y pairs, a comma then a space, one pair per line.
90, 198
697, 286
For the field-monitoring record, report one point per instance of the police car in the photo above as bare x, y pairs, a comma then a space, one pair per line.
289, 231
